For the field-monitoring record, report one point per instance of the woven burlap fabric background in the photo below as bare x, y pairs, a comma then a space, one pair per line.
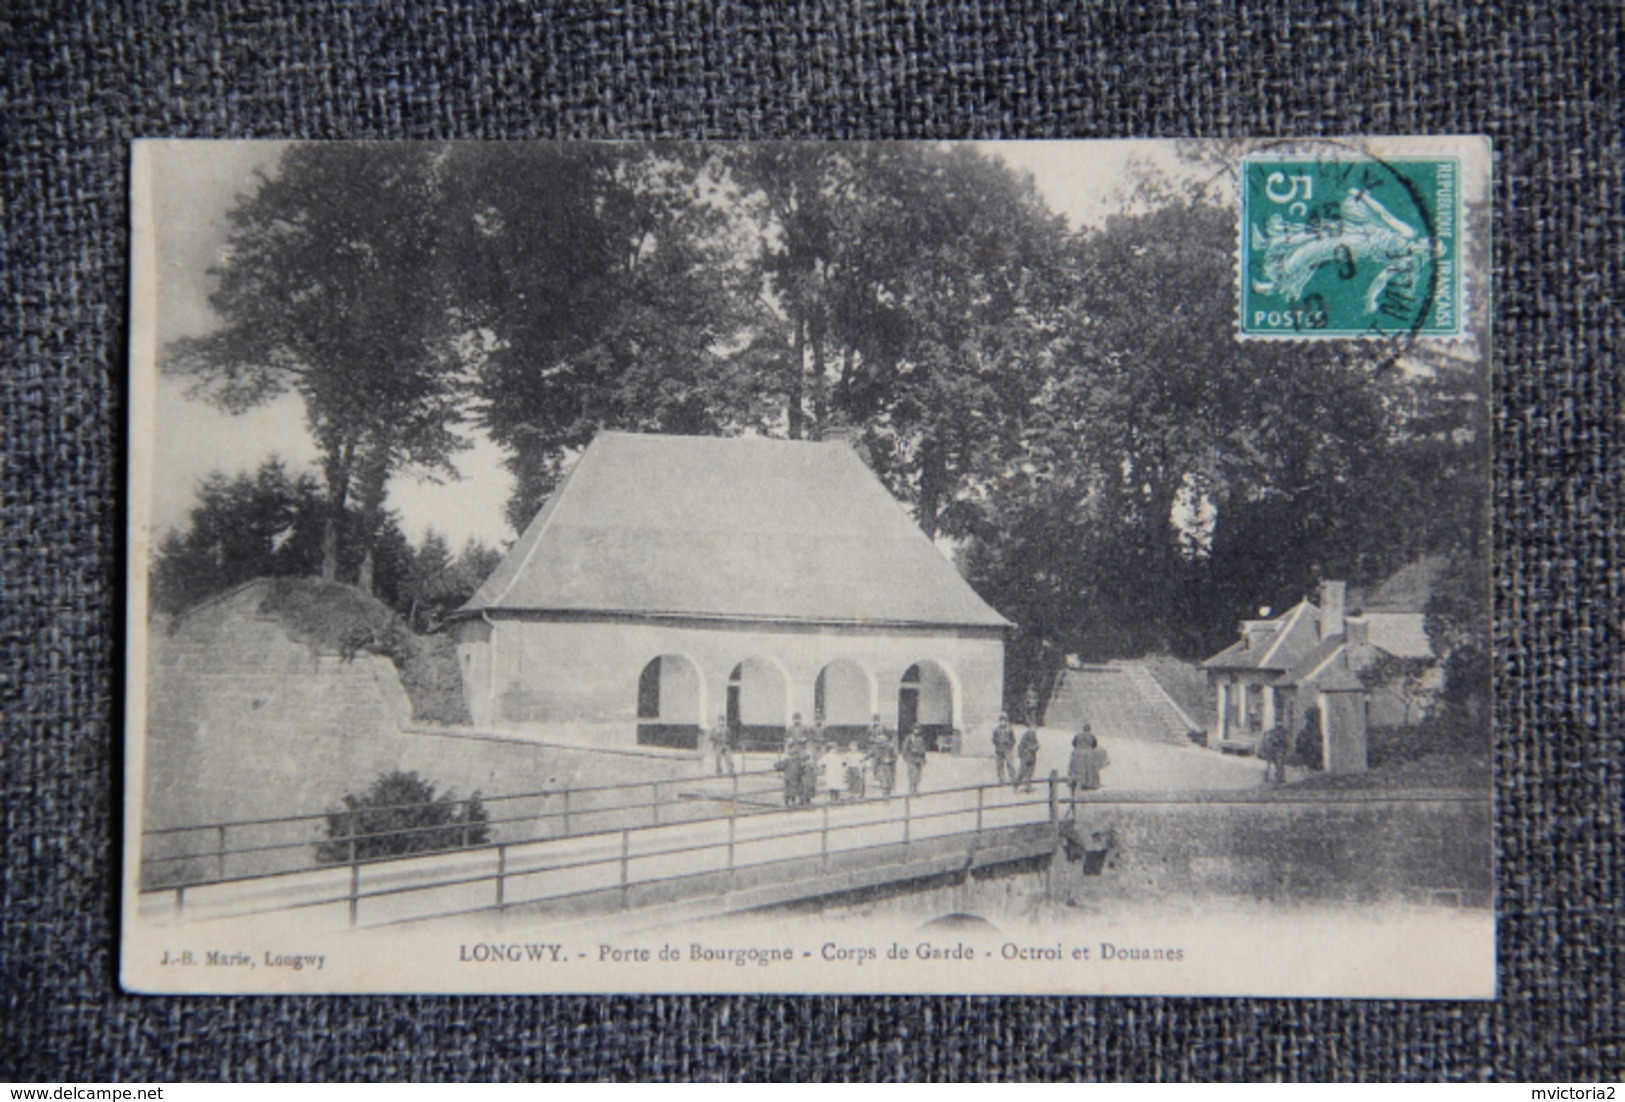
81, 80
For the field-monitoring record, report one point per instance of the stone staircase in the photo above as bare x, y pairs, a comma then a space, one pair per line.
1119, 700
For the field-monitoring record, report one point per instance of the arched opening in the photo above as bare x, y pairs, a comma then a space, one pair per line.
925, 701
669, 703
843, 699
758, 696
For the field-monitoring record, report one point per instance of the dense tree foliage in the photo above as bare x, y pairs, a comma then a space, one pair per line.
912, 293
593, 296
1176, 479
438, 582
264, 524
270, 523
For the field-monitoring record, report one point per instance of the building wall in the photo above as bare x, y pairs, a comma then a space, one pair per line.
243, 722
474, 661
521, 672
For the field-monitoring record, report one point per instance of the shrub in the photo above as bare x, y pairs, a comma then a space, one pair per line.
400, 814
1437, 735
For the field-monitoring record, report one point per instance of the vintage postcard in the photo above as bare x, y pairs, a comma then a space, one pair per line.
1030, 568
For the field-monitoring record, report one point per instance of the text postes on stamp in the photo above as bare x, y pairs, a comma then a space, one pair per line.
1348, 246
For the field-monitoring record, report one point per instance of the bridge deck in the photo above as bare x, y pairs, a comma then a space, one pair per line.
751, 858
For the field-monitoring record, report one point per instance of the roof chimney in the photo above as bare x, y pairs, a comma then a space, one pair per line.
1358, 630
1331, 609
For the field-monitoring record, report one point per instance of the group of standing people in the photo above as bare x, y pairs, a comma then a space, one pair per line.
876, 755
1016, 760
879, 750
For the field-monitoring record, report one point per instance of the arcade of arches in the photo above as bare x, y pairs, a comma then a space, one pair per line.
675, 704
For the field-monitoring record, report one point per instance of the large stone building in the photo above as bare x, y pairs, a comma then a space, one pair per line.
673, 579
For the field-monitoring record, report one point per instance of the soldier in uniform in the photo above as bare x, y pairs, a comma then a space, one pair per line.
882, 753
721, 738
1004, 749
800, 764
1274, 749
1027, 759
792, 768
913, 753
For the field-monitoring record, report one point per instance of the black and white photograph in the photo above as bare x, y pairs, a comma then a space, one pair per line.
957, 567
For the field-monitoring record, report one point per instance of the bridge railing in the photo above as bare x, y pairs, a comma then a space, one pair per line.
615, 865
618, 862
202, 853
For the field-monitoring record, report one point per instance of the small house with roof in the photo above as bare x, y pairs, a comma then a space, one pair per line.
1310, 657
672, 579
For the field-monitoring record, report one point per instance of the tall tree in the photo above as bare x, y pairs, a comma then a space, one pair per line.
332, 287
970, 327
906, 290
595, 283
802, 197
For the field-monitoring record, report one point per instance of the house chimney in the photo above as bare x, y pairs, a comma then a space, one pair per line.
1358, 630
1331, 609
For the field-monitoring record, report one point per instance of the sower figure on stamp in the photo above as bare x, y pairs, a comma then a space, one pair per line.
1027, 760
1274, 749
1004, 749
914, 758
721, 738
882, 752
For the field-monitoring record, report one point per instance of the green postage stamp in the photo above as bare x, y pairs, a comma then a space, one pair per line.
1339, 244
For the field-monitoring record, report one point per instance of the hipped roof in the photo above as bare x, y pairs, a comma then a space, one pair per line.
730, 528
